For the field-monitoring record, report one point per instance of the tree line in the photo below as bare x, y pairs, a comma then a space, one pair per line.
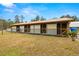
19, 19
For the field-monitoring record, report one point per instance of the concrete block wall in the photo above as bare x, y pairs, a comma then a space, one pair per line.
13, 29
37, 29
21, 28
8, 29
32, 29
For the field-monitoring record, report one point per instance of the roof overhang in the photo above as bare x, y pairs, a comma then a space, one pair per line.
46, 22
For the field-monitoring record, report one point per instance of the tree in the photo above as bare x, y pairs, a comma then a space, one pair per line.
25, 21
4, 23
22, 17
68, 16
17, 19
42, 18
10, 22
37, 18
33, 20
64, 16
54, 18
75, 18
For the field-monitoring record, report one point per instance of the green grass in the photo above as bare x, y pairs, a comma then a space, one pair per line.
17, 44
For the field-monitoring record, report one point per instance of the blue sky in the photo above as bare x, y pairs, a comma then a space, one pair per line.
30, 10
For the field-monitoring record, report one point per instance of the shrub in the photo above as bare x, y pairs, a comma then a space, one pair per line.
73, 35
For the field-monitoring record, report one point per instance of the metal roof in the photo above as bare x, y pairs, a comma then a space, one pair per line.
74, 24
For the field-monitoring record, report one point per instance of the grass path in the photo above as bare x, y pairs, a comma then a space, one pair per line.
17, 44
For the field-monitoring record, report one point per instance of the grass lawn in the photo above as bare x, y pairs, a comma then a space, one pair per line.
17, 44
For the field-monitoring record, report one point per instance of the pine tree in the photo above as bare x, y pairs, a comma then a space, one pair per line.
22, 17
42, 18
17, 19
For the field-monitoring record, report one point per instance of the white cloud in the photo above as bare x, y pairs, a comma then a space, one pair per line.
68, 11
30, 12
42, 7
8, 5
9, 10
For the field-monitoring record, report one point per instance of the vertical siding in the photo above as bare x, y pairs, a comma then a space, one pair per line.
14, 28
8, 29
52, 29
21, 28
37, 29
32, 27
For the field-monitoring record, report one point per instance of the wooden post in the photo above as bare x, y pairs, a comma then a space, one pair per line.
2, 31
2, 27
68, 29
61, 29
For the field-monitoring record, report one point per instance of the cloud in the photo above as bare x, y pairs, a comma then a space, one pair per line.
8, 5
30, 12
9, 10
68, 11
42, 7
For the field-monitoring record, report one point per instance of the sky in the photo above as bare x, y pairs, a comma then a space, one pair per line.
31, 10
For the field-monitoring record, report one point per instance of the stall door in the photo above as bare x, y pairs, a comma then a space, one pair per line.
25, 28
18, 28
43, 28
61, 28
58, 29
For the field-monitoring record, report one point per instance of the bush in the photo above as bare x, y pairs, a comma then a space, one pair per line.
73, 35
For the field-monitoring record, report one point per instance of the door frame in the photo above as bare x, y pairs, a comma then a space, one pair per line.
43, 28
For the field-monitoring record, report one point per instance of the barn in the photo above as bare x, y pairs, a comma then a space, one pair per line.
58, 26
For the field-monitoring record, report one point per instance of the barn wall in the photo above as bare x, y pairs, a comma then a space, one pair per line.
21, 28
32, 27
8, 29
52, 29
13, 29
37, 29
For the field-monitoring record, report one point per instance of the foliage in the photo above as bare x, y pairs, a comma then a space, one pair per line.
5, 23
38, 18
10, 22
65, 16
22, 17
68, 16
17, 20
42, 18
73, 35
